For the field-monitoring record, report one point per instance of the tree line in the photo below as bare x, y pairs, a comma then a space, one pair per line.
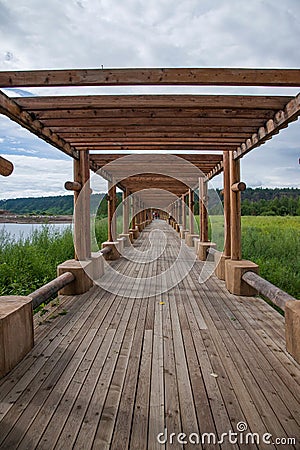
255, 202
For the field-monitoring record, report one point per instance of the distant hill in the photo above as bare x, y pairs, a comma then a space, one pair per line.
259, 201
58, 205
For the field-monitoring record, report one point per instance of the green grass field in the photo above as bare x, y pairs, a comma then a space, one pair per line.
27, 264
271, 242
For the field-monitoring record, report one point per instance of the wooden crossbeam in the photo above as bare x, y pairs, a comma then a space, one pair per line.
281, 120
165, 147
160, 158
153, 101
113, 113
157, 129
152, 121
155, 76
11, 109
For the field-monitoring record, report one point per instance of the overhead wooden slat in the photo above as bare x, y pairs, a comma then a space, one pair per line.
151, 135
166, 122
153, 101
192, 158
92, 113
155, 76
165, 147
207, 130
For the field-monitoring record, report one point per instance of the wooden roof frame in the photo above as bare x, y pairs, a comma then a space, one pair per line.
193, 123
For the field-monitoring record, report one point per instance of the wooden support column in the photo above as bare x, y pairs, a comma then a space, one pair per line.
203, 210
235, 209
125, 212
227, 228
191, 211
183, 212
82, 233
111, 203
133, 221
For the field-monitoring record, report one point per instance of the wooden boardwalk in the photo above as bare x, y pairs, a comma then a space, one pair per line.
111, 369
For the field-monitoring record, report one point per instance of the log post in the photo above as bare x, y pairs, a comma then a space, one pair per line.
227, 227
204, 245
235, 267
183, 212
111, 211
235, 209
125, 212
191, 211
82, 234
114, 216
203, 209
220, 258
133, 221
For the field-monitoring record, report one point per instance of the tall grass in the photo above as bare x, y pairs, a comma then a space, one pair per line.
274, 244
271, 242
28, 263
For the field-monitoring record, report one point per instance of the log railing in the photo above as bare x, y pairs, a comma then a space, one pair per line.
45, 292
267, 289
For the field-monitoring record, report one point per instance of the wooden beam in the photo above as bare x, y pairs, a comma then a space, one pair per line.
216, 170
162, 158
152, 76
6, 167
171, 147
153, 101
154, 121
92, 113
281, 120
203, 203
11, 109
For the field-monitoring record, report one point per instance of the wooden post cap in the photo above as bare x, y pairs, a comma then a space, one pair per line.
72, 186
237, 187
6, 167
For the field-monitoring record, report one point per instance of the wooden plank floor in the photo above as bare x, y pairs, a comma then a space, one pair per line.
113, 368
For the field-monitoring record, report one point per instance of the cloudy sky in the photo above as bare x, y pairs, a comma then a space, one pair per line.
59, 34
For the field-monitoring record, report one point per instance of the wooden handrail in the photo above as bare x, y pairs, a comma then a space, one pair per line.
45, 292
264, 287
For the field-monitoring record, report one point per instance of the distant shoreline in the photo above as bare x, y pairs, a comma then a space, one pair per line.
35, 219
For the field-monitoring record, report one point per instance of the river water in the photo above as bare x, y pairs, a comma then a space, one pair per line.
24, 230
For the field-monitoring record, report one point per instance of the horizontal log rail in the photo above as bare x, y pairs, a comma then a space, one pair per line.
45, 292
106, 250
267, 289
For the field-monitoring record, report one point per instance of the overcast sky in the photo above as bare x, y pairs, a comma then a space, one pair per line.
57, 34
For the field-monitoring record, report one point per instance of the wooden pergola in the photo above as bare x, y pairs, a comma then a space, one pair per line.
207, 132
151, 346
